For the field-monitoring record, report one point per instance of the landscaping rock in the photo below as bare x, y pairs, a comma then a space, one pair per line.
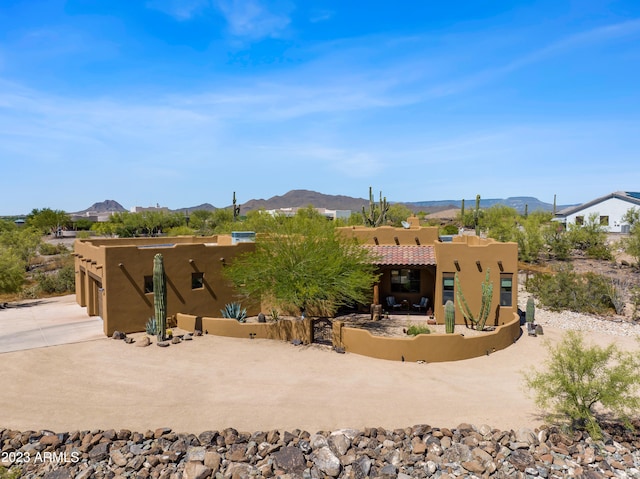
118, 335
143, 342
357, 454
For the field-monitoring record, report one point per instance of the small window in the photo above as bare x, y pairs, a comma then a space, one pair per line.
197, 280
580, 220
604, 221
506, 289
148, 284
405, 280
447, 287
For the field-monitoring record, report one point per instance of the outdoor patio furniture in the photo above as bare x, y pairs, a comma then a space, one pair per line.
391, 302
424, 301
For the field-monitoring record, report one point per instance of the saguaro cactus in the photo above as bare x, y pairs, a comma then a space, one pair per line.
462, 212
476, 216
449, 317
485, 304
377, 214
160, 296
530, 313
236, 208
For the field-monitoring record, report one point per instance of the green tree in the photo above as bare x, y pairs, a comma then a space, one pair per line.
530, 237
302, 262
48, 220
557, 240
398, 213
632, 217
500, 222
12, 271
579, 378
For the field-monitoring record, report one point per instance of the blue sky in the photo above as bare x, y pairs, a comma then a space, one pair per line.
182, 102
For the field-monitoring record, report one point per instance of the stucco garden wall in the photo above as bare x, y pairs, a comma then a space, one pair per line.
430, 348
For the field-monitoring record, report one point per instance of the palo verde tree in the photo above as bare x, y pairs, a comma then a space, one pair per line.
303, 263
580, 378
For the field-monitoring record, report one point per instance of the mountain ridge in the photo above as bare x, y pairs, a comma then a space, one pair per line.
303, 198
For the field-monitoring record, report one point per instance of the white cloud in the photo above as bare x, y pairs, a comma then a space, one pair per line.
253, 20
179, 9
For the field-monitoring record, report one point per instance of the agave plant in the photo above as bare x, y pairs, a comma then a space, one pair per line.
235, 311
151, 327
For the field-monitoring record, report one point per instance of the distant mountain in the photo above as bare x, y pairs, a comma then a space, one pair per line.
105, 206
203, 206
303, 198
516, 202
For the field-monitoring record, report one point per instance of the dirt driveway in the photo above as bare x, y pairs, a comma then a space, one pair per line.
214, 382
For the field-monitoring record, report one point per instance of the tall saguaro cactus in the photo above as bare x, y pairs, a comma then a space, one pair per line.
377, 214
160, 296
236, 208
485, 304
476, 216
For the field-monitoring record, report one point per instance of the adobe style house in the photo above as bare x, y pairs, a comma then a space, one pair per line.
608, 209
415, 263
114, 276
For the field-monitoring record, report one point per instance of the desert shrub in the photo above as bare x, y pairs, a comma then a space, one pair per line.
60, 281
591, 237
578, 378
449, 230
83, 234
416, 329
565, 289
12, 473
631, 244
12, 271
49, 249
557, 240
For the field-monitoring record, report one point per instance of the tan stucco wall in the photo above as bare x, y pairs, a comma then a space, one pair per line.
430, 347
388, 234
284, 329
467, 251
121, 265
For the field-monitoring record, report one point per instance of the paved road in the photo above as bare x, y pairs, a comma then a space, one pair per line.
46, 322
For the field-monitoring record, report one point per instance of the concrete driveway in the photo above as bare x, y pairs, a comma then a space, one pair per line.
46, 322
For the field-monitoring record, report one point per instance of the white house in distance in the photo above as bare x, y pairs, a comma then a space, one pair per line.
610, 209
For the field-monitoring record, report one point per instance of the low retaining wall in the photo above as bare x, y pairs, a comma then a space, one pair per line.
430, 348
284, 329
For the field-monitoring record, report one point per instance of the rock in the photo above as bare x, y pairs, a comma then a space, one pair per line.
195, 470
99, 452
118, 335
290, 459
296, 342
187, 337
163, 344
197, 332
143, 342
526, 435
457, 453
129, 340
176, 340
339, 443
521, 459
58, 474
326, 461
262, 318
118, 458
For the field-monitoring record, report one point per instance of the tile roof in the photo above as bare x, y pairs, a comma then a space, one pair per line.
392, 255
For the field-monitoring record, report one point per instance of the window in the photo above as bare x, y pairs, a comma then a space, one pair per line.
197, 280
447, 287
148, 284
506, 289
580, 220
604, 221
405, 280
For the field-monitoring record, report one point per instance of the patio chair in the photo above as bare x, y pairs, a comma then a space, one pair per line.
391, 302
424, 301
